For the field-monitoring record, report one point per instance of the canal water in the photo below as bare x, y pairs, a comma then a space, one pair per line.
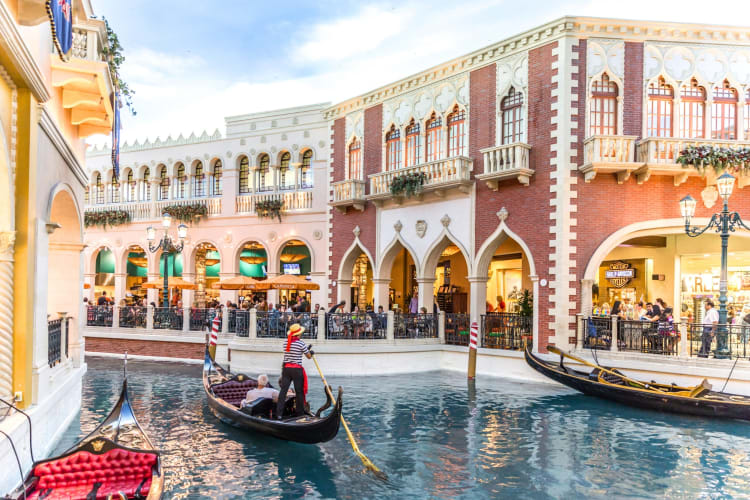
435, 436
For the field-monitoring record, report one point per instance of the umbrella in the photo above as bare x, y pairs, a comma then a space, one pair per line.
237, 283
288, 282
174, 282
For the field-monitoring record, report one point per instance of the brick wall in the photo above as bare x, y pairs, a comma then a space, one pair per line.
632, 115
182, 350
482, 113
338, 137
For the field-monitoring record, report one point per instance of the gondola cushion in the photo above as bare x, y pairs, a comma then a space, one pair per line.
233, 392
117, 470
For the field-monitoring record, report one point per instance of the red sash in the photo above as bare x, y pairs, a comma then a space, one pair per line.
304, 373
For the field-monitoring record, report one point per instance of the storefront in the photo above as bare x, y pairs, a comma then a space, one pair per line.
699, 281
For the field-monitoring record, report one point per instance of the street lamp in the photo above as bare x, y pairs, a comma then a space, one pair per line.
169, 248
724, 223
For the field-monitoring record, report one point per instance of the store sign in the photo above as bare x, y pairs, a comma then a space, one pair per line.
619, 274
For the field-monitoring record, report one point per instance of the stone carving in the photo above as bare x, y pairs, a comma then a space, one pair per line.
605, 55
295, 121
423, 106
295, 147
445, 98
273, 123
356, 231
228, 237
321, 144
398, 226
463, 94
512, 72
709, 195
229, 154
243, 142
445, 220
355, 125
317, 234
252, 152
711, 65
402, 113
263, 139
679, 63
206, 157
272, 236
705, 62
7, 242
502, 214
421, 228
739, 63
283, 137
306, 134
273, 149
419, 102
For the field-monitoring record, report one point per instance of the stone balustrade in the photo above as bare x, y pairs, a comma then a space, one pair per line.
440, 175
349, 193
666, 150
293, 201
613, 154
509, 161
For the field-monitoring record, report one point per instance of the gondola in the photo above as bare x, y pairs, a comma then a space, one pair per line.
611, 384
115, 461
225, 391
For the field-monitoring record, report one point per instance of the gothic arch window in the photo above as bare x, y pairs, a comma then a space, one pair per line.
724, 112
433, 137
99, 189
130, 190
147, 184
412, 144
393, 149
457, 132
355, 160
115, 189
199, 187
264, 172
603, 109
511, 108
216, 179
163, 183
181, 181
86, 196
660, 106
244, 175
692, 110
286, 176
306, 169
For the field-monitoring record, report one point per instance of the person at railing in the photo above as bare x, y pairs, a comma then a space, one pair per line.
602, 310
274, 315
356, 324
414, 303
617, 310
103, 299
341, 305
710, 324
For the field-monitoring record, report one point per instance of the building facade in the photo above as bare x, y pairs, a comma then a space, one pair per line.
47, 107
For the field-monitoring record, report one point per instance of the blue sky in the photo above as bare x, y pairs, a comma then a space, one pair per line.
192, 63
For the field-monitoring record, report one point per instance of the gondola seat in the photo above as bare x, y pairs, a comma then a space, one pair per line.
261, 407
232, 391
76, 475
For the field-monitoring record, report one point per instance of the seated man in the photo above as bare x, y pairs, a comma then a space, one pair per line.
262, 391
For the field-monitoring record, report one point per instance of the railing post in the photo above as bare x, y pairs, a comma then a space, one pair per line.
683, 340
252, 327
63, 333
150, 317
579, 332
115, 316
441, 326
614, 347
321, 324
186, 318
390, 320
224, 321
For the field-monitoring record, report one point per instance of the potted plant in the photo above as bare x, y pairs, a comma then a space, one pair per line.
269, 208
408, 184
186, 213
720, 159
106, 218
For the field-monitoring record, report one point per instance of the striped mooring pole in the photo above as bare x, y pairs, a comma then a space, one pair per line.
473, 350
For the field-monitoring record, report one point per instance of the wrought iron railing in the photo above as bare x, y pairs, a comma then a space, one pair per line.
168, 318
133, 317
67, 337
275, 324
457, 328
356, 326
415, 326
200, 319
596, 332
54, 341
239, 322
506, 330
99, 316
652, 337
703, 341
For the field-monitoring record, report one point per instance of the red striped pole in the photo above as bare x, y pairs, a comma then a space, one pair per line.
473, 350
214, 337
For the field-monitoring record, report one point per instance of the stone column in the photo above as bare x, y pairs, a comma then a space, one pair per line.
252, 331
535, 314
441, 327
321, 324
230, 187
344, 291
477, 297
426, 289
614, 347
390, 324
152, 294
683, 340
120, 287
149, 318
187, 303
90, 280
7, 243
586, 297
380, 292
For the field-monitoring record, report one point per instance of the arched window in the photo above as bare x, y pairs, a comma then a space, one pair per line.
393, 149
147, 184
747, 115
114, 188
286, 177
163, 183
264, 174
306, 169
692, 110
457, 132
131, 186
216, 179
603, 110
412, 144
199, 186
724, 113
433, 137
181, 181
86, 198
99, 189
660, 102
355, 160
511, 108
244, 175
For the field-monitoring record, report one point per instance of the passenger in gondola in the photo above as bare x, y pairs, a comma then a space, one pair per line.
262, 391
292, 371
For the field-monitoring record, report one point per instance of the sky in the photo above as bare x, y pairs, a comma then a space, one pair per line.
193, 63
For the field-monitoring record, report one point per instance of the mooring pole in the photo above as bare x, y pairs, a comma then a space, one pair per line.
473, 350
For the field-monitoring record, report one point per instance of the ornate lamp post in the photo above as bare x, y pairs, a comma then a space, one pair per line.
168, 248
724, 223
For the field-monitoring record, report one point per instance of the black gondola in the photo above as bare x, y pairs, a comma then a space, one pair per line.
116, 459
225, 391
610, 384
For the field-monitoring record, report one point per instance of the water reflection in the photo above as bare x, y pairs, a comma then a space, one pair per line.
436, 437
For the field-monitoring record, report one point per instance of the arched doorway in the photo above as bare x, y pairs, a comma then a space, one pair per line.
447, 264
399, 266
362, 285
253, 262
104, 277
136, 273
207, 269
294, 258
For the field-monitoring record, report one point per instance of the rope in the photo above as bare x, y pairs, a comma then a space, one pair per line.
18, 460
730, 375
31, 441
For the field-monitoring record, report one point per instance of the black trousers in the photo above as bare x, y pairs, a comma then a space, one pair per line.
289, 375
706, 340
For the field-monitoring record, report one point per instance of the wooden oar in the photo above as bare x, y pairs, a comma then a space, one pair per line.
366, 461
556, 350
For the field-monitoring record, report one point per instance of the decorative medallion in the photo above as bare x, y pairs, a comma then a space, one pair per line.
273, 149
710, 194
272, 236
252, 152
398, 226
205, 156
263, 139
118, 242
502, 214
317, 234
295, 147
243, 142
322, 144
98, 444
229, 154
421, 228
253, 126
356, 231
445, 220
283, 137
306, 134
228, 237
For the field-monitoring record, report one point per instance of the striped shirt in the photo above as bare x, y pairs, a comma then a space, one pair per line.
295, 352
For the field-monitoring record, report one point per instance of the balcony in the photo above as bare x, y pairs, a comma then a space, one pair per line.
85, 80
152, 210
349, 193
510, 161
293, 201
609, 154
440, 177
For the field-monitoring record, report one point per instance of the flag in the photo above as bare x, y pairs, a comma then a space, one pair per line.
116, 136
60, 14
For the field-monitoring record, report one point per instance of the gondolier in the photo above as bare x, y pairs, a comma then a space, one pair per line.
292, 370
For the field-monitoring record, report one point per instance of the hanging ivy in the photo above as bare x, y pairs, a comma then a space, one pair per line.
115, 58
408, 184
186, 213
106, 218
719, 159
269, 209
526, 304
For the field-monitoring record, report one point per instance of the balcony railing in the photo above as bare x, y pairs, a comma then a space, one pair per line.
99, 316
506, 331
359, 326
440, 175
614, 154
349, 193
509, 161
292, 201
54, 341
86, 44
152, 210
457, 328
415, 326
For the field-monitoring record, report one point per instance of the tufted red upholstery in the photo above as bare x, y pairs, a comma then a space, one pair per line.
74, 476
234, 392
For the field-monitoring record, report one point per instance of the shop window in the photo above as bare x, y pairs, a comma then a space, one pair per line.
264, 174
393, 149
660, 102
199, 187
306, 169
181, 181
216, 179
433, 137
724, 113
412, 144
355, 160
692, 111
244, 175
511, 108
603, 110
163, 183
286, 176
457, 132
147, 184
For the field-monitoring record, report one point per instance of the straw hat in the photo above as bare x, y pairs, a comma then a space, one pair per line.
296, 330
